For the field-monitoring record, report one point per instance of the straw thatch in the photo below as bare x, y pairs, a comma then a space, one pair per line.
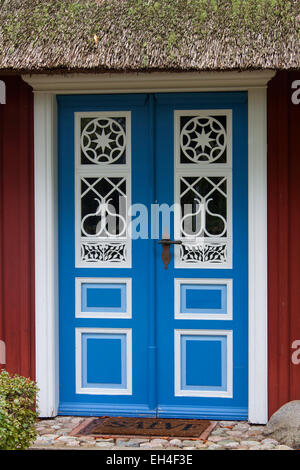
146, 35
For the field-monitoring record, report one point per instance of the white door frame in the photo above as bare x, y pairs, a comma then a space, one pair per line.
45, 88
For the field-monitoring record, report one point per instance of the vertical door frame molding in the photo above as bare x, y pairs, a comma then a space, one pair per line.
46, 252
45, 88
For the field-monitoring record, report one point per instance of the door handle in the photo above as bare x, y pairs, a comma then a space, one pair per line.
166, 254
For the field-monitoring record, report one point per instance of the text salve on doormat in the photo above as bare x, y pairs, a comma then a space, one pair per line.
143, 427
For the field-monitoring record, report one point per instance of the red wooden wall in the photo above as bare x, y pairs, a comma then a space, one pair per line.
16, 227
283, 239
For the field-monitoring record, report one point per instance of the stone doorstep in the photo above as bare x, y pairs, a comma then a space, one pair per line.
62, 434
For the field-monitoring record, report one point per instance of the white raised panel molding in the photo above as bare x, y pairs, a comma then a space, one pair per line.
258, 268
179, 392
80, 389
46, 253
46, 247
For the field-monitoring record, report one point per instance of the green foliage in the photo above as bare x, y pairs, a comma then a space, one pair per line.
17, 412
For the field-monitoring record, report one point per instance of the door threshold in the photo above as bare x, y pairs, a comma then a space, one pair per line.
94, 409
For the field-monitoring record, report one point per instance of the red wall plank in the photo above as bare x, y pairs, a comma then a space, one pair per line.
283, 243
17, 229
294, 238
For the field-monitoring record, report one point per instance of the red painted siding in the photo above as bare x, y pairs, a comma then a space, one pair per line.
283, 239
16, 227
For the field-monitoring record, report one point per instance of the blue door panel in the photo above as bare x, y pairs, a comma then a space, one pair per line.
142, 283
213, 354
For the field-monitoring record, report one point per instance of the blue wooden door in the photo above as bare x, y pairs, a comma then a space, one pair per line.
202, 298
136, 338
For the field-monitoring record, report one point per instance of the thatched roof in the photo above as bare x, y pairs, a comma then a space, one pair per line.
146, 35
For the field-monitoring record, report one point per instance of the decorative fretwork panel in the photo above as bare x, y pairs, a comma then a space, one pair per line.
203, 202
203, 221
103, 188
203, 140
203, 253
94, 252
103, 207
103, 219
103, 140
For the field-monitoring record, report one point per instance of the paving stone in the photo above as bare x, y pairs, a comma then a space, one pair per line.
145, 444
187, 442
209, 443
73, 444
44, 442
200, 445
254, 430
235, 433
104, 444
270, 441
176, 442
87, 444
226, 423
161, 442
45, 431
216, 438
219, 432
58, 444
66, 439
230, 445
131, 444
249, 443
50, 435
224, 442
215, 447
242, 427
121, 441
156, 446
250, 436
137, 440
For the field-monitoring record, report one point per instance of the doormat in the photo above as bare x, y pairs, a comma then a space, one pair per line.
144, 427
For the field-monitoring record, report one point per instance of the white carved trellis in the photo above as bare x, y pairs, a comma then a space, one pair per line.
203, 188
103, 140
203, 139
103, 189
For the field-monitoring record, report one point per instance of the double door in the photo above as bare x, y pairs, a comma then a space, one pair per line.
141, 176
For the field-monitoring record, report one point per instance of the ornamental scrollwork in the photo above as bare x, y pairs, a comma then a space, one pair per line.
103, 140
203, 139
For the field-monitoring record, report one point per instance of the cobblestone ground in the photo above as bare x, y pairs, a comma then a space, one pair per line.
228, 435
